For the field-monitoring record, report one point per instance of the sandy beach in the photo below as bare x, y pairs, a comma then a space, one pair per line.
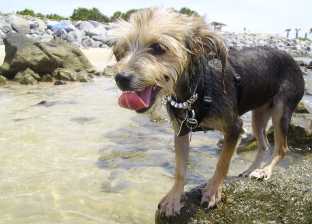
2, 53
99, 57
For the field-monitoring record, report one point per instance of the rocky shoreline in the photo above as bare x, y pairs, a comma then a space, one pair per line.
94, 34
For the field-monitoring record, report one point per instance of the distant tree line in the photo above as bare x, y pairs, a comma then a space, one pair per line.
92, 14
29, 12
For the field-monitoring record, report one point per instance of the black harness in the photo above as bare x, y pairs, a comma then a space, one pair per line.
200, 83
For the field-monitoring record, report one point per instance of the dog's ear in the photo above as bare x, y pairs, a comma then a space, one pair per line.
118, 55
116, 39
204, 41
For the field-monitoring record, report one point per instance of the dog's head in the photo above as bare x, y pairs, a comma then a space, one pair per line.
154, 49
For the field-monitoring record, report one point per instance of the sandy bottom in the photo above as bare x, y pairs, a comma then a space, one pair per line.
99, 57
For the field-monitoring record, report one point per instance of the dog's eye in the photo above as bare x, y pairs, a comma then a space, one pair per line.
157, 49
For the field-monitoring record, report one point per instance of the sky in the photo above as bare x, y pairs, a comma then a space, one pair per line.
256, 16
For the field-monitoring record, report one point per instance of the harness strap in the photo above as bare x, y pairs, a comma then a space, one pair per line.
203, 78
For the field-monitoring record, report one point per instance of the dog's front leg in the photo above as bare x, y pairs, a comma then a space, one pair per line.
212, 191
171, 204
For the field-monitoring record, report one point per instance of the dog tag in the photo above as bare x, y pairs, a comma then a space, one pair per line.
188, 124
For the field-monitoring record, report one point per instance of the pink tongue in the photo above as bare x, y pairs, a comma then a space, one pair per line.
137, 100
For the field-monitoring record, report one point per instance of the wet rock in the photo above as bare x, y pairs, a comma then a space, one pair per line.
47, 78
42, 102
28, 80
110, 71
98, 73
285, 198
3, 80
20, 75
69, 56
63, 74
33, 74
42, 58
60, 82
22, 53
83, 76
84, 79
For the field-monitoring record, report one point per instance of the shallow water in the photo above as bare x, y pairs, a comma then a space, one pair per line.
70, 154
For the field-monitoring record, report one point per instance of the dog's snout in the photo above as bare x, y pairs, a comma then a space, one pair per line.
123, 79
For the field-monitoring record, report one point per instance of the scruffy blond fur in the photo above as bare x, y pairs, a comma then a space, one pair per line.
183, 38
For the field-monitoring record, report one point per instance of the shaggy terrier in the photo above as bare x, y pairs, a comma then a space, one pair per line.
162, 52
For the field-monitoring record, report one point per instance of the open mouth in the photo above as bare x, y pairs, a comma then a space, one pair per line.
140, 101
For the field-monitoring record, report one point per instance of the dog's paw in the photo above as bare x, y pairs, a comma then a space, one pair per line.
212, 194
245, 173
171, 204
261, 174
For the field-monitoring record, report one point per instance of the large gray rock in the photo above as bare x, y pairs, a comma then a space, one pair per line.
88, 42
5, 27
18, 23
85, 25
42, 58
97, 31
33, 23
22, 53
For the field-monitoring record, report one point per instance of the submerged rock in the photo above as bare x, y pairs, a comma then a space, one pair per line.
285, 198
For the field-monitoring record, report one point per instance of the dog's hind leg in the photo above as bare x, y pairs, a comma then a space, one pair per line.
212, 192
260, 118
281, 116
171, 204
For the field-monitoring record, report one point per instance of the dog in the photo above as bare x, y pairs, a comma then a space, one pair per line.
161, 52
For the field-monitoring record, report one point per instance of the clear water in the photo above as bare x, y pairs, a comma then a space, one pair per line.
79, 158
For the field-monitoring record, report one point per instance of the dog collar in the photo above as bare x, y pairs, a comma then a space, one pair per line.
184, 105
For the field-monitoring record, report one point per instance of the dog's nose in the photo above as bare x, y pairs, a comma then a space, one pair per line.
123, 79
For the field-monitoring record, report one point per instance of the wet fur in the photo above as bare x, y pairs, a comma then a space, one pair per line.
271, 86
